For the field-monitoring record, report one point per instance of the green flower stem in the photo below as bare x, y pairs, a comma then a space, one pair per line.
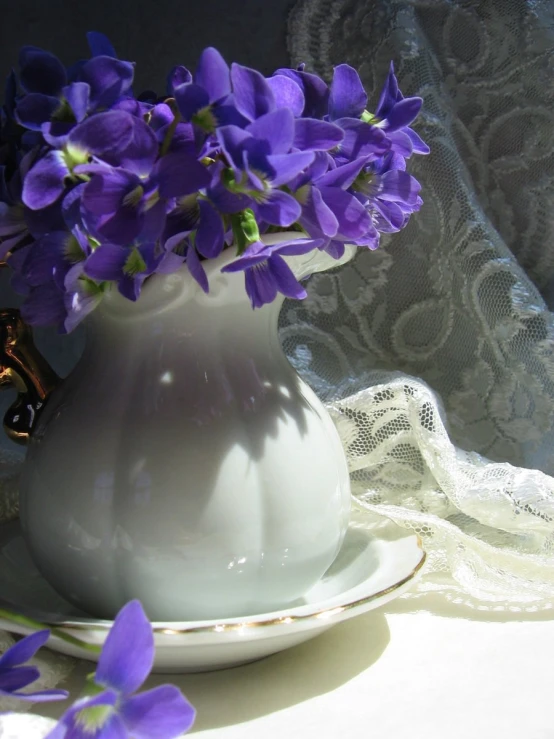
30, 623
172, 126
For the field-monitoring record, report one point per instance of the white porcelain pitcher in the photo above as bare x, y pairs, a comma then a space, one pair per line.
183, 461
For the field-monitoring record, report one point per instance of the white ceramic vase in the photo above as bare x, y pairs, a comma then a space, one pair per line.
184, 462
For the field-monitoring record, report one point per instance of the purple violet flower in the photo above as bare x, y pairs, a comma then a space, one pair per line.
262, 160
389, 194
329, 211
107, 136
315, 90
207, 102
266, 273
50, 273
54, 104
118, 712
121, 203
347, 98
14, 674
127, 186
394, 114
129, 267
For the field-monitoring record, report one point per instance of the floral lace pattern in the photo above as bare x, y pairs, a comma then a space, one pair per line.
458, 302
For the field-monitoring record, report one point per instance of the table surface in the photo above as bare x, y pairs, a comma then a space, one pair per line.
441, 671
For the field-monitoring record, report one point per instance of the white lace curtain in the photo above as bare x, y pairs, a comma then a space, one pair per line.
441, 342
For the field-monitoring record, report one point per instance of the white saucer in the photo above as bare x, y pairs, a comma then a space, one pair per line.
378, 562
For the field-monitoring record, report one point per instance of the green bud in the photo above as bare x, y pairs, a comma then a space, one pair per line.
245, 229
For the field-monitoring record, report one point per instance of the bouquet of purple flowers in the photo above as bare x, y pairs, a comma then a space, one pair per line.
100, 187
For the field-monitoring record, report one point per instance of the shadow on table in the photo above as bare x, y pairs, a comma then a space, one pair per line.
441, 605
239, 694
316, 667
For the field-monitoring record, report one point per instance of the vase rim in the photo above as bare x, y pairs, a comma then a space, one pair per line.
167, 291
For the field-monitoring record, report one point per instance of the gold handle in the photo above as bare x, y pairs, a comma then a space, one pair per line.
25, 369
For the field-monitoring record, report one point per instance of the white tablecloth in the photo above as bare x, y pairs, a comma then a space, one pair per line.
442, 672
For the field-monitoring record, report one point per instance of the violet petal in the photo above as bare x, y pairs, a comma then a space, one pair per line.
161, 712
398, 186
297, 246
35, 109
400, 143
180, 174
253, 96
44, 306
361, 139
279, 208
404, 113
418, 144
354, 221
389, 94
77, 95
105, 191
344, 175
24, 649
141, 151
56, 133
106, 263
104, 134
313, 135
128, 652
288, 166
317, 216
212, 73
260, 285
45, 181
47, 253
388, 217
348, 99
190, 99
277, 128
196, 269
41, 71
286, 282
179, 75
287, 93
231, 140
108, 78
210, 234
